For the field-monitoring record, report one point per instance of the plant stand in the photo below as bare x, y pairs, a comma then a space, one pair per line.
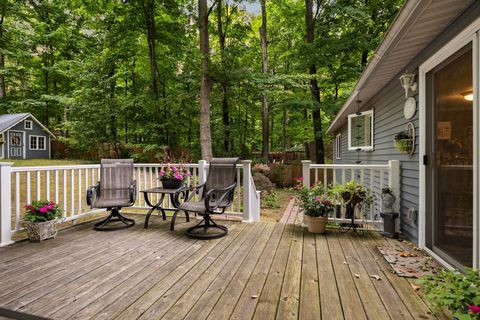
39, 231
345, 227
389, 224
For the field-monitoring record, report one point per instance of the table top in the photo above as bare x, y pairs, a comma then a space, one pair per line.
159, 190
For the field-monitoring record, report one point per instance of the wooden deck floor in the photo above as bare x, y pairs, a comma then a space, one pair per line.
259, 271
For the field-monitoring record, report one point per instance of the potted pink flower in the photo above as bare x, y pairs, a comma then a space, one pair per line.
40, 220
173, 176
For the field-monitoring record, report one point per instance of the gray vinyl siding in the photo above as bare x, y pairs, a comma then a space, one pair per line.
36, 131
389, 120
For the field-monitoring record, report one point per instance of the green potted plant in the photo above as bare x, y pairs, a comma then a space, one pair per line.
40, 220
403, 142
351, 193
317, 207
456, 291
173, 176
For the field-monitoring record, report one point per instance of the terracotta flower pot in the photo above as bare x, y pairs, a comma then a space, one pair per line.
316, 224
39, 231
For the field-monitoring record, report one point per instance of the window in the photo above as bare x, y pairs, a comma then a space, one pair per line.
360, 131
338, 146
37, 143
28, 124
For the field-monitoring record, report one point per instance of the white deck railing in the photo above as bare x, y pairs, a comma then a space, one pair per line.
66, 185
374, 177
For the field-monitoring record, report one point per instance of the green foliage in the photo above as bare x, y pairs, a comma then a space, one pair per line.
352, 192
41, 211
315, 201
455, 291
271, 200
83, 69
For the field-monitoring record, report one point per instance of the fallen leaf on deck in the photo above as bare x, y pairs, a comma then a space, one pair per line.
415, 287
357, 275
345, 262
254, 296
375, 276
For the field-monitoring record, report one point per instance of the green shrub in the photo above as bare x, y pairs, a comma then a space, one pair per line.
456, 291
271, 200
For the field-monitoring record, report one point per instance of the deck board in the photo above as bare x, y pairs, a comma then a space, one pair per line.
259, 271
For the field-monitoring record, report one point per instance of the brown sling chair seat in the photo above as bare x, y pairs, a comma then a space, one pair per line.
215, 195
115, 190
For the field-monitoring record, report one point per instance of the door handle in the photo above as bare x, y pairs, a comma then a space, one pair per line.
425, 160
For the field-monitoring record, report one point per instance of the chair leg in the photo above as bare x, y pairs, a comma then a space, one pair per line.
114, 216
205, 225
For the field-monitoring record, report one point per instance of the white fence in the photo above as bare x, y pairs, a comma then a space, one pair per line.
66, 185
373, 177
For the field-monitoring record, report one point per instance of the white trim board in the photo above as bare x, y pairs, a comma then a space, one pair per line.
469, 34
349, 130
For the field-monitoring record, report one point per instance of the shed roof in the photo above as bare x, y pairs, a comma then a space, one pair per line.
9, 120
417, 24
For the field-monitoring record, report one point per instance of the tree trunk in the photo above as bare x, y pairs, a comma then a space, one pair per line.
149, 14
316, 114
3, 91
224, 81
205, 82
264, 44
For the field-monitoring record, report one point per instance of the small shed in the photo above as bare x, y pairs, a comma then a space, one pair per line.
22, 136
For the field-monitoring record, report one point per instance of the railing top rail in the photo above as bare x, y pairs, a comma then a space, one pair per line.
350, 166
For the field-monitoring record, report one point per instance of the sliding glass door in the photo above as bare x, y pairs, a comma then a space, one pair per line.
449, 151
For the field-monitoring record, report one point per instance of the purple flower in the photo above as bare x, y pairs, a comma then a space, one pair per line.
178, 176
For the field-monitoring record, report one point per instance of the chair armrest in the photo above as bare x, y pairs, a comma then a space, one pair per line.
92, 192
181, 191
133, 192
225, 193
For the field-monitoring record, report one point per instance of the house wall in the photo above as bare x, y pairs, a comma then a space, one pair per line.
389, 120
36, 131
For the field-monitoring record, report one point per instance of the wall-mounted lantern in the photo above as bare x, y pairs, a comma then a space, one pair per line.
408, 83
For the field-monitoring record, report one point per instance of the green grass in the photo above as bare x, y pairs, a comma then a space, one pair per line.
47, 162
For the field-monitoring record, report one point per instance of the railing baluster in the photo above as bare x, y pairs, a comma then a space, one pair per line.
316, 176
56, 186
47, 182
334, 176
38, 185
325, 182
343, 175
65, 192
29, 187
17, 201
72, 193
239, 196
79, 192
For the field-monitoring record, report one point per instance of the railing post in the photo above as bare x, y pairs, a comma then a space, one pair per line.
394, 184
5, 203
202, 172
306, 172
251, 210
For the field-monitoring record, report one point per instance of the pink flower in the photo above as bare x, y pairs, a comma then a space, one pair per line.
43, 209
474, 309
178, 176
29, 207
301, 178
317, 198
175, 169
162, 173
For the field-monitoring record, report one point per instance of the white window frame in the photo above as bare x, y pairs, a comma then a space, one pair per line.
349, 133
338, 147
37, 143
25, 125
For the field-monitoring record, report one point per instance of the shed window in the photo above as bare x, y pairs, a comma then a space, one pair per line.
360, 131
338, 146
28, 125
37, 143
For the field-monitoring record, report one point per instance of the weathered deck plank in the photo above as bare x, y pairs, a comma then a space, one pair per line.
259, 271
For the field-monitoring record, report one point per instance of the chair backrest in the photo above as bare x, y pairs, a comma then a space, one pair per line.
222, 173
116, 174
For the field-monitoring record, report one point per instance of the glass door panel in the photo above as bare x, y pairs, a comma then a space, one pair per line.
450, 169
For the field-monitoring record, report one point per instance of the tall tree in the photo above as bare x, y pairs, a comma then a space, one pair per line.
205, 82
315, 90
3, 13
265, 114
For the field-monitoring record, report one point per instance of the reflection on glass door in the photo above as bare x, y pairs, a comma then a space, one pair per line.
450, 163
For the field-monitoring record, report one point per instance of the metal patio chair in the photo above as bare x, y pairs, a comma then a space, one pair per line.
216, 194
115, 190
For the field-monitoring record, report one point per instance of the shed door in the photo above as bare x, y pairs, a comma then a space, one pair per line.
16, 144
449, 214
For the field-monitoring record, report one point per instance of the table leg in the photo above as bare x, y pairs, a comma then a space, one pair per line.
154, 207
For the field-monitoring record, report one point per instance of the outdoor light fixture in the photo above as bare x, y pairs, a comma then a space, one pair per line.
467, 95
408, 83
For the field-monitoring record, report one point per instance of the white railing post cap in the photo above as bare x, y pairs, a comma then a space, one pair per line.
6, 164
